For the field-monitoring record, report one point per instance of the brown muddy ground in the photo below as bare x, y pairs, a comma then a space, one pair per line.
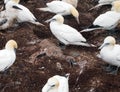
87, 76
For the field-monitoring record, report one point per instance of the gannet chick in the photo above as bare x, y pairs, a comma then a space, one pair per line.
23, 13
65, 33
110, 53
56, 84
8, 55
72, 2
62, 8
103, 2
107, 21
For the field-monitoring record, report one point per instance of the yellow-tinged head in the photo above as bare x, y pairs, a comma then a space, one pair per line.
16, 1
59, 18
75, 13
108, 41
53, 82
11, 44
111, 40
51, 86
116, 6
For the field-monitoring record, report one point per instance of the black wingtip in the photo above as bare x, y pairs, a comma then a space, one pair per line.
16, 7
94, 26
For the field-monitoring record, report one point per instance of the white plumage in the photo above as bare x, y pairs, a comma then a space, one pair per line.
62, 8
6, 18
56, 84
8, 55
20, 12
110, 51
107, 21
65, 33
72, 2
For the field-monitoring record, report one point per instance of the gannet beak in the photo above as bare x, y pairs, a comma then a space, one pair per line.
49, 20
78, 20
103, 45
46, 88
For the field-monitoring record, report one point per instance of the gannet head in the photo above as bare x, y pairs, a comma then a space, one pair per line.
108, 41
16, 1
52, 84
11, 44
116, 6
75, 13
58, 18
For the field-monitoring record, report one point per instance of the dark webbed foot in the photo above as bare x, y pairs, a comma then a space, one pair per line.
114, 70
108, 67
111, 69
62, 45
113, 32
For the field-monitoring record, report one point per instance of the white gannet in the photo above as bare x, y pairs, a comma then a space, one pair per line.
23, 13
65, 33
103, 2
63, 8
56, 84
72, 2
107, 21
6, 18
8, 55
110, 53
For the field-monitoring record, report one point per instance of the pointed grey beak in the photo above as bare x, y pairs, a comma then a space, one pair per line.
49, 20
46, 88
103, 45
67, 75
78, 20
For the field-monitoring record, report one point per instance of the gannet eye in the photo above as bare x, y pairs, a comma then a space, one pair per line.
52, 85
53, 19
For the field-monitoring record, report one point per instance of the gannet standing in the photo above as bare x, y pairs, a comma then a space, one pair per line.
66, 34
63, 8
108, 20
110, 53
8, 55
56, 84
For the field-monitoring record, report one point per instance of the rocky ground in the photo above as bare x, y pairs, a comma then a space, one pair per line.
30, 71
